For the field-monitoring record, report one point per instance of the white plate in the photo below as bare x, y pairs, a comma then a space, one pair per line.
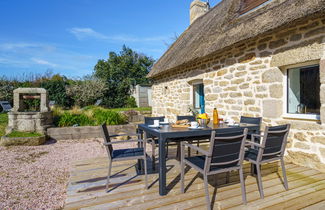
153, 126
195, 128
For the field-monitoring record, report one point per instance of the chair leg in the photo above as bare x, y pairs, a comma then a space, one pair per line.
259, 180
284, 175
153, 155
145, 172
242, 183
109, 174
198, 145
182, 172
189, 149
207, 195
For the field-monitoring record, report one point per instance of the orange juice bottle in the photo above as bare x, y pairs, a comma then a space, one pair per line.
215, 116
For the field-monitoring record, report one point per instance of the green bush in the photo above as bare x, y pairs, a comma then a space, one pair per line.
91, 116
130, 102
110, 117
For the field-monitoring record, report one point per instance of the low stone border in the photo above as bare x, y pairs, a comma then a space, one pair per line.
86, 132
26, 141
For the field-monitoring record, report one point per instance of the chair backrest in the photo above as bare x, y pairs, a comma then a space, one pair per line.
251, 120
189, 118
107, 139
274, 141
149, 120
226, 149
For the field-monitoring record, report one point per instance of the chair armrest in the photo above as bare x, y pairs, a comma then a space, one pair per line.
125, 141
250, 143
126, 134
202, 151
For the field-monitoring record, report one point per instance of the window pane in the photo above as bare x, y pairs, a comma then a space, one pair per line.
303, 90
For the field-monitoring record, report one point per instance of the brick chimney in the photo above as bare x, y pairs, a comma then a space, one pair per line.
197, 9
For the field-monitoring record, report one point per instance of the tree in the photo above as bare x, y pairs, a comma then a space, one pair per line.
121, 72
85, 92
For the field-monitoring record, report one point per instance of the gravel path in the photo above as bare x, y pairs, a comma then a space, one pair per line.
36, 177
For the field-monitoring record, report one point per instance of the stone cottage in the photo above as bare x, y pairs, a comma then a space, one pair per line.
252, 58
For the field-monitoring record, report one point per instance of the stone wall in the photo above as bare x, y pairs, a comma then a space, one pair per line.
249, 79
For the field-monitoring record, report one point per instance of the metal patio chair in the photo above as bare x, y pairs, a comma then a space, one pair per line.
251, 120
124, 154
190, 118
226, 153
153, 140
270, 149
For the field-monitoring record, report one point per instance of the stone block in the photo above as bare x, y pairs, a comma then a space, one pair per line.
222, 72
306, 159
272, 75
272, 108
223, 83
248, 94
276, 91
295, 37
241, 73
318, 139
235, 94
300, 136
322, 94
257, 67
249, 102
315, 32
298, 55
238, 81
322, 70
211, 97
244, 86
277, 43
322, 114
301, 145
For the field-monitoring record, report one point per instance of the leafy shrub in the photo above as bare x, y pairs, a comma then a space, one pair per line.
86, 92
95, 116
130, 102
110, 117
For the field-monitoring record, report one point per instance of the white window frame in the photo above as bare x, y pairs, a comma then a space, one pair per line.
313, 117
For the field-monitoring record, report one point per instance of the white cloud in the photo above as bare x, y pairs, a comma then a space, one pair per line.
43, 62
26, 45
83, 33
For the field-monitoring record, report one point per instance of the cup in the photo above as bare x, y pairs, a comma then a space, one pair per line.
156, 122
194, 124
165, 120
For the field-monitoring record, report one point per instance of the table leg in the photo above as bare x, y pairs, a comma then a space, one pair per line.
162, 166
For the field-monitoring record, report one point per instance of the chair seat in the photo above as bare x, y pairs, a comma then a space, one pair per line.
200, 160
124, 153
251, 154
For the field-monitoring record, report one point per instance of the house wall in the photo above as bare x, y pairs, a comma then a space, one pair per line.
249, 79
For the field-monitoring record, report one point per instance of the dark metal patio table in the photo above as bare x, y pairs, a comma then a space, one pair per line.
167, 133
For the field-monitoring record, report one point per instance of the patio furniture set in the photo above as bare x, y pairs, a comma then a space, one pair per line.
229, 146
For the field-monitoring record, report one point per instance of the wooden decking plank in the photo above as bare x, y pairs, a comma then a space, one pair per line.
189, 177
133, 195
161, 201
231, 198
316, 206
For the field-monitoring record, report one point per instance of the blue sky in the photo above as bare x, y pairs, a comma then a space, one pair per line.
69, 36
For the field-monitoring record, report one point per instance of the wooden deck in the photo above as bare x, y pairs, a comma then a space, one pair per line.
86, 188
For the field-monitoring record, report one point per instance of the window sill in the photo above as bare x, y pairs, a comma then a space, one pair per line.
308, 117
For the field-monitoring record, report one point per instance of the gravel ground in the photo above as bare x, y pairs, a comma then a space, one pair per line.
36, 177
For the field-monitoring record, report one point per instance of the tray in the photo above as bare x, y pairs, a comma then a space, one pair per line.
180, 126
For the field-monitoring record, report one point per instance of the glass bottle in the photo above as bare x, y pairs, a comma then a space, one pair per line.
215, 116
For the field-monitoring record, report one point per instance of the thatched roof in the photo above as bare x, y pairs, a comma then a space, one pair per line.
222, 27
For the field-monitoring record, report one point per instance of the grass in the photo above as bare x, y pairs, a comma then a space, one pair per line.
23, 134
3, 123
128, 109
